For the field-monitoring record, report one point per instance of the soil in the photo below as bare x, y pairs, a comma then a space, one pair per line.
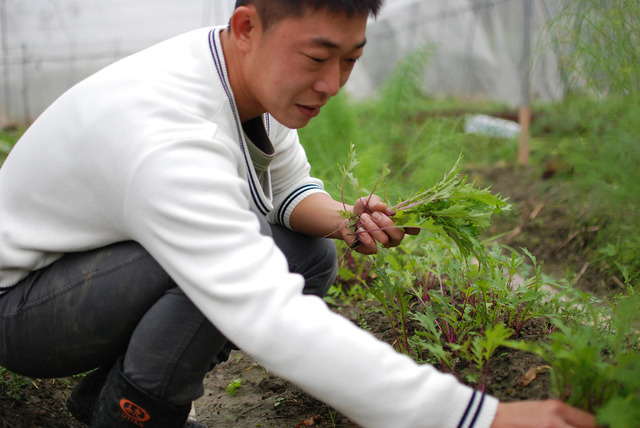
541, 221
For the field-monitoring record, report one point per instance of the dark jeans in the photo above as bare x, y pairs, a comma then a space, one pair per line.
88, 309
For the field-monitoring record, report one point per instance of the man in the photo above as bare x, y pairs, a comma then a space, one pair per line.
148, 217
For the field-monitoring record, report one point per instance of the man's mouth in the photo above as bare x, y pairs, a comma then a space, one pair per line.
309, 111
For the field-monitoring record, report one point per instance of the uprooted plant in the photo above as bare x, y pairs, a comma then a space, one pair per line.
452, 207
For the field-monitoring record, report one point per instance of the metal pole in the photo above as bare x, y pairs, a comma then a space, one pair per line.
5, 56
524, 115
25, 84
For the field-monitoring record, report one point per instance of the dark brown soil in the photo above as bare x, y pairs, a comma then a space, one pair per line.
541, 222
548, 222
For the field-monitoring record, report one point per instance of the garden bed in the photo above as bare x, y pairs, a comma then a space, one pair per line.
541, 223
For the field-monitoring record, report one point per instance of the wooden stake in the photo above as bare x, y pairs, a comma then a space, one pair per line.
524, 118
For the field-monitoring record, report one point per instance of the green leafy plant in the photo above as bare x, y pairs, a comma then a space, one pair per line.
391, 291
451, 301
7, 140
451, 312
353, 280
452, 207
596, 363
11, 383
233, 386
484, 346
597, 43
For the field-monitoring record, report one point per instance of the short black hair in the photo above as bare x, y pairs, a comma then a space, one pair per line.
272, 11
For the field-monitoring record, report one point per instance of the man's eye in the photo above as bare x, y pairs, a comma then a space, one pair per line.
316, 59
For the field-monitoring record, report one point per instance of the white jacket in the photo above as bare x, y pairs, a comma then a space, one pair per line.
151, 149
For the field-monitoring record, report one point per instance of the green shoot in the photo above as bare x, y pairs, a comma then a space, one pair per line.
233, 386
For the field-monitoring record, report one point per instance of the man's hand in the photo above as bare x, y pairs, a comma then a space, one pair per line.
375, 227
319, 215
541, 414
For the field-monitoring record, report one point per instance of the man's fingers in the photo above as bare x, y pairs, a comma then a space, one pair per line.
412, 230
382, 229
575, 417
364, 243
547, 413
369, 204
394, 233
376, 227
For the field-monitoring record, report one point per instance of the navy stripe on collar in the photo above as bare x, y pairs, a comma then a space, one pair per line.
253, 186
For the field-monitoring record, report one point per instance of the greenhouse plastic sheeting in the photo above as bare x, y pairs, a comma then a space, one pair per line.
475, 47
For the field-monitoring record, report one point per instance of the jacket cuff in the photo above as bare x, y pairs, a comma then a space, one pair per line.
283, 212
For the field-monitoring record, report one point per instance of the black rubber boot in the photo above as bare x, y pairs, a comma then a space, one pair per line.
224, 353
84, 396
123, 405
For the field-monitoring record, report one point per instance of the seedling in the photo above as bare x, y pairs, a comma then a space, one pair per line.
596, 361
11, 383
233, 386
454, 314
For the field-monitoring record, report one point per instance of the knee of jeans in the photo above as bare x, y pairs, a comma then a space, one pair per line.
323, 269
330, 259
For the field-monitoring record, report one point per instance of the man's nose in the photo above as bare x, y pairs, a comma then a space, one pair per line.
330, 80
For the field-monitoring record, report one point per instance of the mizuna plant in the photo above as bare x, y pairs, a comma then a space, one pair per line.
595, 359
454, 313
452, 207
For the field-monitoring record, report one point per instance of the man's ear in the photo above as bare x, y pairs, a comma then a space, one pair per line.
245, 26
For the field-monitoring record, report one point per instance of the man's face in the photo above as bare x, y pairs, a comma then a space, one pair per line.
299, 63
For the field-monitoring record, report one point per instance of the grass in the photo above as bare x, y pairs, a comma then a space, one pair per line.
7, 139
11, 384
594, 143
597, 45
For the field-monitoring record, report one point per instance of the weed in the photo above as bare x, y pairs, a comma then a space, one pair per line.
332, 417
453, 313
233, 386
596, 363
11, 383
7, 139
597, 43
